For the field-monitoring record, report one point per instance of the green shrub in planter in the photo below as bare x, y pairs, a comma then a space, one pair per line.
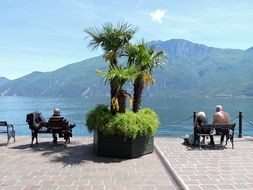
129, 125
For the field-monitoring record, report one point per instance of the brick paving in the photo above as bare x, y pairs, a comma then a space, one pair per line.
52, 166
211, 168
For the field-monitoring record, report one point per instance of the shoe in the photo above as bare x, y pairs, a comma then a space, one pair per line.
55, 141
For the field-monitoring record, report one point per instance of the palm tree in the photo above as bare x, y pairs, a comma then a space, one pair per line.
144, 58
120, 76
112, 39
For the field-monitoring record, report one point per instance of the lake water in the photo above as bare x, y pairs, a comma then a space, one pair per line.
175, 113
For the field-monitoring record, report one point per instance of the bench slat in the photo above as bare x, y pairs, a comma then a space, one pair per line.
3, 123
218, 126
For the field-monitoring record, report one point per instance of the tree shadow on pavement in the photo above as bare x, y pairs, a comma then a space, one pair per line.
74, 154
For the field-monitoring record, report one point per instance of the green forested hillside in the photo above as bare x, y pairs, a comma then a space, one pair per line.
192, 70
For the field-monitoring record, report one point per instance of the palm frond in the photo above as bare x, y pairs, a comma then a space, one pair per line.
119, 75
95, 36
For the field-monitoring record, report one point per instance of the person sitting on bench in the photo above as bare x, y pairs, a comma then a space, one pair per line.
56, 121
222, 117
201, 119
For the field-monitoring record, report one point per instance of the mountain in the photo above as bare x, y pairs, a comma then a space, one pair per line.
198, 70
192, 70
3, 80
250, 50
77, 79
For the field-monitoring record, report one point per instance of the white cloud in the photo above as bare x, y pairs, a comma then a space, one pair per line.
158, 15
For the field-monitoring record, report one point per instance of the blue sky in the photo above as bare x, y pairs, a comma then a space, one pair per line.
44, 35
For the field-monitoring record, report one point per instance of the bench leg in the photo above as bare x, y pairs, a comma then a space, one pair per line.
8, 139
227, 137
32, 139
34, 135
13, 133
200, 144
231, 137
232, 141
10, 133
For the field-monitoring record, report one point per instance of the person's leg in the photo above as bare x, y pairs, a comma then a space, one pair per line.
203, 138
54, 137
211, 140
196, 136
221, 139
67, 137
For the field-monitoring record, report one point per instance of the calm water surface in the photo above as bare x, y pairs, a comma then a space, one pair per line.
174, 113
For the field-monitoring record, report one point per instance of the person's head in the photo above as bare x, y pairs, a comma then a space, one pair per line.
218, 108
201, 114
200, 118
57, 112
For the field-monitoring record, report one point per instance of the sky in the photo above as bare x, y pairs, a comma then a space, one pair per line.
44, 35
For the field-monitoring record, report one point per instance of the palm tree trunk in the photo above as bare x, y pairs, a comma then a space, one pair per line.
122, 101
113, 92
113, 86
138, 88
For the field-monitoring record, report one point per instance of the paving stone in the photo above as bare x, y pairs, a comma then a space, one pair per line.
84, 187
32, 187
242, 186
166, 187
194, 187
115, 187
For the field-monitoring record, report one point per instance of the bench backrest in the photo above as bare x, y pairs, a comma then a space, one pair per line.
3, 123
219, 129
58, 123
219, 126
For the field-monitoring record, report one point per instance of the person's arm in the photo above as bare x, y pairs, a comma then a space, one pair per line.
196, 123
214, 118
226, 117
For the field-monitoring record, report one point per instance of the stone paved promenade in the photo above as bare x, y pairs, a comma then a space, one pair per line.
212, 167
49, 166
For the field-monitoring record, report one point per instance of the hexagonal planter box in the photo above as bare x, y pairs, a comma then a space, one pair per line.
120, 147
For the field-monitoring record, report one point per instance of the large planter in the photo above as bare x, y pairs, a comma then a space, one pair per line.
118, 146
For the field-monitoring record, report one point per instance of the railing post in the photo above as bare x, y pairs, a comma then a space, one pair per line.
194, 118
240, 125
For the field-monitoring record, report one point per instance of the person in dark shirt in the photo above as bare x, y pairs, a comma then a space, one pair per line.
65, 130
201, 119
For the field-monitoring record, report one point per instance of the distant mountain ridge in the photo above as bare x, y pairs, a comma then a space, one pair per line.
3, 80
192, 70
250, 49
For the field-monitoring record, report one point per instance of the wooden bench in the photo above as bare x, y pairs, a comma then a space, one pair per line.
9, 130
218, 129
38, 124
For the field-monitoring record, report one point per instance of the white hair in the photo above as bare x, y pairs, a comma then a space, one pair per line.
219, 107
201, 114
57, 112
